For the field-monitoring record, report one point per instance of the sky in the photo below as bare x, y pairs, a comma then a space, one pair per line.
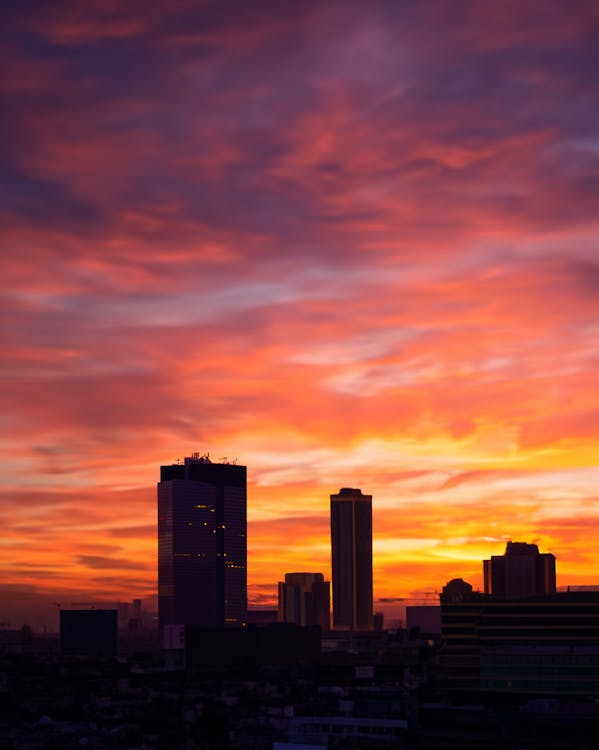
344, 243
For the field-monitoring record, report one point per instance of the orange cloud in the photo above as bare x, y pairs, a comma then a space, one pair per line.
344, 245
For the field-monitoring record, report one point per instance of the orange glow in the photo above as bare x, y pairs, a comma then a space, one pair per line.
285, 237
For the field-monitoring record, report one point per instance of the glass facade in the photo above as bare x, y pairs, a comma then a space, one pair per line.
202, 546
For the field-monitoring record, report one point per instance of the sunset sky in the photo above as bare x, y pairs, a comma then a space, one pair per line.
345, 243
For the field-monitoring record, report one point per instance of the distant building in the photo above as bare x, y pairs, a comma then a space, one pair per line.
88, 632
130, 615
202, 547
522, 571
351, 547
305, 599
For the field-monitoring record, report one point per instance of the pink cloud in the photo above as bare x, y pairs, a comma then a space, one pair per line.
345, 243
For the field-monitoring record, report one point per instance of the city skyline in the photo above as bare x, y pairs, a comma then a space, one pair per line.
349, 244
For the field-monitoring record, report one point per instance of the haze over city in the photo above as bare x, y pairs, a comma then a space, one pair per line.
348, 244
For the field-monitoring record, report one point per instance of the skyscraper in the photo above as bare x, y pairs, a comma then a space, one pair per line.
304, 599
522, 571
202, 548
351, 547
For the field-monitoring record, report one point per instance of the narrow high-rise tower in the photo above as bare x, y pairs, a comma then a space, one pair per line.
202, 548
351, 547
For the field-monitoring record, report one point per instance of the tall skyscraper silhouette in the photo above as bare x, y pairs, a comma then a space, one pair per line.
202, 547
351, 547
522, 571
305, 599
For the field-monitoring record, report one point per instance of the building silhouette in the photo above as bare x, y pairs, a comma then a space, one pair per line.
305, 599
538, 644
202, 547
351, 548
522, 571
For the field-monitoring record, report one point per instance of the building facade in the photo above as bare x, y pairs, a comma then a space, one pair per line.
542, 644
522, 571
305, 599
351, 548
202, 546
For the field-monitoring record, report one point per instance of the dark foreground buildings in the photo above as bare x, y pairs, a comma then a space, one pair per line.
351, 547
218, 650
517, 666
202, 547
88, 632
540, 645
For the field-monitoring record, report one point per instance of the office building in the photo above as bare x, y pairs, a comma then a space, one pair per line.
351, 547
540, 644
522, 571
304, 599
202, 548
